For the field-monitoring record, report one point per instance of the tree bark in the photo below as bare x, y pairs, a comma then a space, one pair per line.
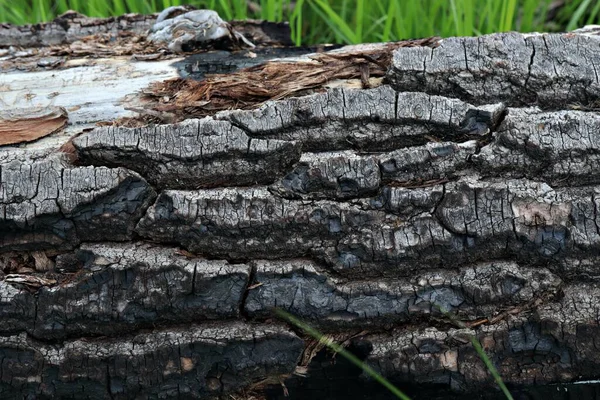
456, 198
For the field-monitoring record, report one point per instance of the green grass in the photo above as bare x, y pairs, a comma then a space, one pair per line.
374, 374
343, 352
490, 366
346, 21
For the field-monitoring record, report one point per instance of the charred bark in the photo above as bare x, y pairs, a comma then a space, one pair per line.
463, 189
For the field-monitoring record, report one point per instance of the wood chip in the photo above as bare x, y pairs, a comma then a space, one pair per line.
29, 124
42, 262
29, 280
259, 284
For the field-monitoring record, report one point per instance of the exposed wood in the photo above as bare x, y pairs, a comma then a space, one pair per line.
90, 90
250, 87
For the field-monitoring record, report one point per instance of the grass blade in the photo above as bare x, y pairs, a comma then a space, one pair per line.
343, 352
240, 9
389, 20
457, 22
296, 23
227, 12
490, 366
511, 7
335, 22
360, 16
480, 352
574, 21
42, 11
593, 14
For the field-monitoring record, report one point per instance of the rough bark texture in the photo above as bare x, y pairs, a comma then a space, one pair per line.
124, 287
369, 120
193, 154
191, 361
461, 191
48, 204
547, 70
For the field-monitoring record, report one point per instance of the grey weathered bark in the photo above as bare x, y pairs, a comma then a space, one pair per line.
147, 260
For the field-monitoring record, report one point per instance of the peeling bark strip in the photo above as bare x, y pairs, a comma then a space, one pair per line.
248, 88
192, 361
467, 180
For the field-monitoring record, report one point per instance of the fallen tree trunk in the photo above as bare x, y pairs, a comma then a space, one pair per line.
423, 193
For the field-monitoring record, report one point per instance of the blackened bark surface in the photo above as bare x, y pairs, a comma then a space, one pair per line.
457, 198
48, 204
124, 287
190, 361
473, 291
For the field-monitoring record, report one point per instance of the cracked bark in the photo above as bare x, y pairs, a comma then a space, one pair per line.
467, 181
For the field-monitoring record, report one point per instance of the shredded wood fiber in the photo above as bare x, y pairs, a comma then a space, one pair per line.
178, 99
